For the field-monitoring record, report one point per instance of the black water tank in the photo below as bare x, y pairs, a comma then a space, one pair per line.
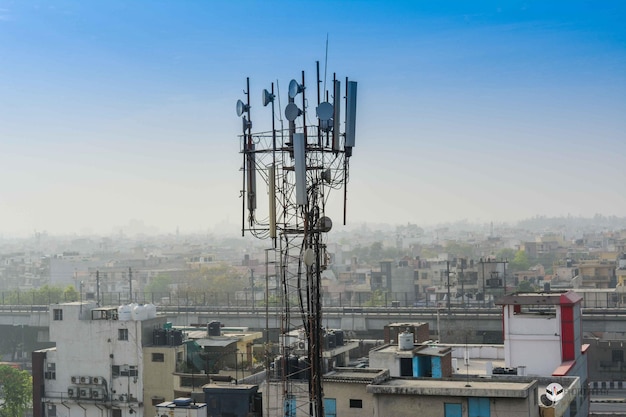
304, 366
214, 328
339, 335
292, 367
331, 340
177, 337
159, 337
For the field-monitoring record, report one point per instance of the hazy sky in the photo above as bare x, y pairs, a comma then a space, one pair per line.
496, 110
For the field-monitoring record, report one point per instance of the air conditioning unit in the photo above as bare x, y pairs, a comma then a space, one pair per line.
85, 393
75, 380
96, 394
72, 392
97, 380
85, 380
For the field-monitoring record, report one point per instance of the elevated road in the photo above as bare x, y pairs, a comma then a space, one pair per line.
479, 325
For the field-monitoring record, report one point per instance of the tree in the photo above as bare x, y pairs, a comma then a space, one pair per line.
525, 286
506, 253
17, 389
70, 293
520, 262
159, 284
219, 278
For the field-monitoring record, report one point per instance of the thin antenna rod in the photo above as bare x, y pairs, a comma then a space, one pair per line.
319, 122
326, 61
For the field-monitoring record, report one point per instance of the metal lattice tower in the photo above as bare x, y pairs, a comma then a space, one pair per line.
300, 166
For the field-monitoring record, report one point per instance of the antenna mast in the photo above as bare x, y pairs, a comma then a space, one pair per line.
299, 171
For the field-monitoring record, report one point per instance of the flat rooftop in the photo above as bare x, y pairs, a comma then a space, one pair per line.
457, 387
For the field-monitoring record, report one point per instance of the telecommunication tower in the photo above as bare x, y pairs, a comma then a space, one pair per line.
300, 165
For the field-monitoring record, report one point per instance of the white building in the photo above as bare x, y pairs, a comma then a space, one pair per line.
95, 370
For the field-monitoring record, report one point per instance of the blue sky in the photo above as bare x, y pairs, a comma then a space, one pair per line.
486, 111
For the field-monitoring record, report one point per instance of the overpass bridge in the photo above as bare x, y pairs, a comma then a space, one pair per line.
454, 325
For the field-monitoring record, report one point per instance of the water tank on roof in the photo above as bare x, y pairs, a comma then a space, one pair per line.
339, 336
124, 313
214, 328
278, 367
405, 340
159, 337
139, 313
304, 366
151, 311
292, 367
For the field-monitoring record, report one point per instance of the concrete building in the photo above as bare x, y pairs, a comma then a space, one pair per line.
543, 334
159, 364
97, 366
352, 392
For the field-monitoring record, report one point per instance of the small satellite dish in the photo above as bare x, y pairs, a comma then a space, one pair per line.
325, 111
292, 112
325, 224
241, 107
294, 88
267, 97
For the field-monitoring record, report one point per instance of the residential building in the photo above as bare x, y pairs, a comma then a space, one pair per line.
97, 367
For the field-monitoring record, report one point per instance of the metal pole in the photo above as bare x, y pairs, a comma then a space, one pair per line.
482, 262
448, 282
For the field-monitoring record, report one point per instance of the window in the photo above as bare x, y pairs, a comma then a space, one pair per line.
356, 403
115, 371
50, 371
158, 357
57, 314
52, 410
478, 407
122, 334
452, 410
117, 412
617, 355
330, 407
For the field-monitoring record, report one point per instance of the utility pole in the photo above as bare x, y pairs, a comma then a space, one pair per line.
130, 283
448, 283
482, 263
98, 288
252, 287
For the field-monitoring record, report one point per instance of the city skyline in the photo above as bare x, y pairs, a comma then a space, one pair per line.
118, 113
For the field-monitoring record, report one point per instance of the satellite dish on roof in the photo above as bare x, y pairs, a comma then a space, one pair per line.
325, 111
241, 107
292, 112
294, 88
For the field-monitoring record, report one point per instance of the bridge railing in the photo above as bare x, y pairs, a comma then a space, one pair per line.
35, 300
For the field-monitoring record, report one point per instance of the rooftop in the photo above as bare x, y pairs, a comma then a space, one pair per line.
454, 387
541, 298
